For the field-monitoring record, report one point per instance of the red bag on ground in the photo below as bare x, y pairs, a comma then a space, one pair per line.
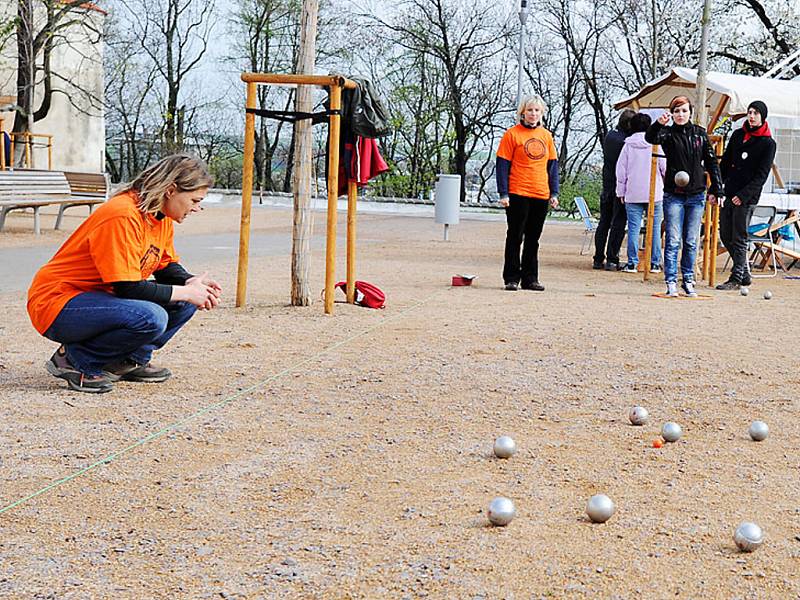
366, 294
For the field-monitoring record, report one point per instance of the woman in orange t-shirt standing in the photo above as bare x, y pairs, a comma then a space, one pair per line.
527, 181
94, 296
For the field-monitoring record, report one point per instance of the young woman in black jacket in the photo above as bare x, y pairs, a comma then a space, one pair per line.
689, 157
745, 167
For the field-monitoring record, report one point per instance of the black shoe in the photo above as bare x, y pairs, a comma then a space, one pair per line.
747, 281
512, 286
534, 286
597, 266
612, 266
127, 370
729, 285
59, 366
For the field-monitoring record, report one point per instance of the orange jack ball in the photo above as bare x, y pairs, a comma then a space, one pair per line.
658, 442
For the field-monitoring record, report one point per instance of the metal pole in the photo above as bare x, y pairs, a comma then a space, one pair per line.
523, 17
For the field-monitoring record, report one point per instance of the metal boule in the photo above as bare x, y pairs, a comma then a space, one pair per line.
767, 295
744, 290
504, 447
758, 431
682, 179
671, 432
501, 511
748, 536
638, 415
600, 508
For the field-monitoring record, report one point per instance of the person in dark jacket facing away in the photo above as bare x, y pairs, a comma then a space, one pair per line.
745, 167
689, 153
611, 227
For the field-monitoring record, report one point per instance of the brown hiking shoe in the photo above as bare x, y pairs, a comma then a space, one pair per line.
128, 370
59, 366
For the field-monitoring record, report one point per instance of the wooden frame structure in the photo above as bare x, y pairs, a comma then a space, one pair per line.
28, 139
335, 84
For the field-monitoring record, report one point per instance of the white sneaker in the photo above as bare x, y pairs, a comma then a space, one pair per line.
688, 287
672, 289
629, 268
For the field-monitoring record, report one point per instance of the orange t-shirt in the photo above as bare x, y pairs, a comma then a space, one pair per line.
528, 150
116, 243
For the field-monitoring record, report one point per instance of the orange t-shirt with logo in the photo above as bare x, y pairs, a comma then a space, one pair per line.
116, 243
528, 150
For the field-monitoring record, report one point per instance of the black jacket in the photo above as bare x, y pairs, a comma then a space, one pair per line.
687, 149
745, 166
612, 148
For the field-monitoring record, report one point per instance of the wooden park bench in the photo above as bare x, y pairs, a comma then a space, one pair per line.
23, 188
87, 189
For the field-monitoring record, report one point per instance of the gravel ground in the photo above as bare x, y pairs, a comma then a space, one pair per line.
296, 455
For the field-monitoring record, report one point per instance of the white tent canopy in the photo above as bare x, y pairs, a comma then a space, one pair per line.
728, 95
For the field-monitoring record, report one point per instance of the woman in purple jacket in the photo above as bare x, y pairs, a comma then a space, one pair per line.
633, 189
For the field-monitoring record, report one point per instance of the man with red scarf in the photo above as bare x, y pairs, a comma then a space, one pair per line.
745, 166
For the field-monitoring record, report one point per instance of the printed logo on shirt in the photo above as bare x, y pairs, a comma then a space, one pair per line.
535, 149
150, 261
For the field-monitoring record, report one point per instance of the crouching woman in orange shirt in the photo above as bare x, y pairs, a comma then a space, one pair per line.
95, 296
527, 182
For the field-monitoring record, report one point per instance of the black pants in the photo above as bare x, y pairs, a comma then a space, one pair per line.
525, 217
610, 229
733, 223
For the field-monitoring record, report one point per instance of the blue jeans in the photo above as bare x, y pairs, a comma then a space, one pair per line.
683, 214
636, 212
97, 328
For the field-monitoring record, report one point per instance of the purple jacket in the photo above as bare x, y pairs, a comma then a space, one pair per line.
633, 171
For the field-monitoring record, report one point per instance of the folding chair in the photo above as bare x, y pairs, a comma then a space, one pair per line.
758, 235
588, 234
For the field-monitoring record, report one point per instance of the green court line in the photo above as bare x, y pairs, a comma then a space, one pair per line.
222, 403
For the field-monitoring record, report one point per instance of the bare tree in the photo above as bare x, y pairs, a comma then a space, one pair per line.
41, 27
464, 40
174, 34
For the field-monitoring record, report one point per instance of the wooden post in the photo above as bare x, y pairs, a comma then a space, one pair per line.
706, 241
247, 194
50, 153
2, 149
712, 270
352, 198
27, 150
333, 193
651, 207
303, 146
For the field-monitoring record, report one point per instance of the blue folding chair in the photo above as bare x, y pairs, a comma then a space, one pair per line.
588, 222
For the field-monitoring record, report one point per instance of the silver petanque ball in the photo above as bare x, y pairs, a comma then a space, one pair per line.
681, 178
758, 431
744, 290
600, 508
501, 511
767, 295
504, 447
671, 432
638, 415
748, 536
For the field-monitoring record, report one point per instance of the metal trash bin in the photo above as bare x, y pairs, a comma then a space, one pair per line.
446, 200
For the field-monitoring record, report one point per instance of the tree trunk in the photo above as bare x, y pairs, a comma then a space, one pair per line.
301, 232
26, 72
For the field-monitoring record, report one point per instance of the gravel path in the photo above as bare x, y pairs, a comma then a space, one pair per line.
350, 456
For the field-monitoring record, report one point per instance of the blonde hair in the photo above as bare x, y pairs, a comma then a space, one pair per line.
187, 173
535, 99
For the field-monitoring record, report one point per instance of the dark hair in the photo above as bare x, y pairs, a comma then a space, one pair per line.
625, 117
640, 122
